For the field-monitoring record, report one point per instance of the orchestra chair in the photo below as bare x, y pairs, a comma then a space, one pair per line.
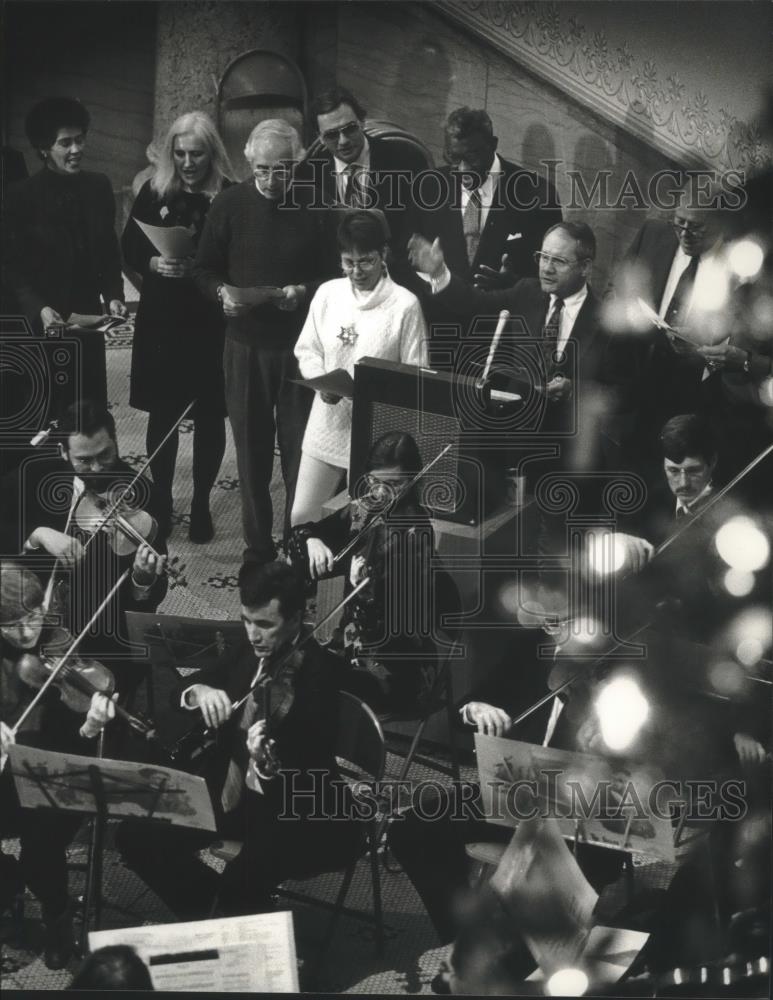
448, 604
361, 756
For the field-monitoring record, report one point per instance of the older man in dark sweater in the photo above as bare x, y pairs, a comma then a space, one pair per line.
255, 237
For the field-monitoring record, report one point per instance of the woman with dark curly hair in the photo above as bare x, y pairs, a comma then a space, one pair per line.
61, 257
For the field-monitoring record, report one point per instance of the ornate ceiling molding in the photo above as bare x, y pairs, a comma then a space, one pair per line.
632, 94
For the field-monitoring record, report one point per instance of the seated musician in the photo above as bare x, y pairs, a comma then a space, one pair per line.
273, 771
391, 664
40, 512
44, 834
689, 452
684, 737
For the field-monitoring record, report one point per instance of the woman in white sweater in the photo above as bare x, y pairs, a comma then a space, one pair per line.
363, 314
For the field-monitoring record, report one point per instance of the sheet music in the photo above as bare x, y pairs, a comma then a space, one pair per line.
252, 954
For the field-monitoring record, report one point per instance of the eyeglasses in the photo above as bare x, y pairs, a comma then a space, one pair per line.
560, 262
364, 263
693, 228
347, 131
261, 170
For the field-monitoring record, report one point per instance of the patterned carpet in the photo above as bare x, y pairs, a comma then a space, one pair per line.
205, 586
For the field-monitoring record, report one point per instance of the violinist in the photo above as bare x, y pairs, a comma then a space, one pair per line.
391, 663
51, 505
272, 768
44, 834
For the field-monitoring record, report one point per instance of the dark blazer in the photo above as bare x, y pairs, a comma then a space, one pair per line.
668, 383
38, 494
40, 257
510, 228
388, 160
305, 736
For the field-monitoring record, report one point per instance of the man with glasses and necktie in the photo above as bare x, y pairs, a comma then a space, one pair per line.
676, 263
258, 233
358, 170
494, 213
556, 310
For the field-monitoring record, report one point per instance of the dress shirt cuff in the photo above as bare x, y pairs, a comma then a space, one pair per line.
30, 546
442, 281
141, 590
184, 702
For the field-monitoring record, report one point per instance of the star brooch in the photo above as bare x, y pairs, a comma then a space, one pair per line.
348, 335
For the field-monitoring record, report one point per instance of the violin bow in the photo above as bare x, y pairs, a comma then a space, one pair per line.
390, 506
47, 597
285, 659
309, 635
73, 646
574, 677
687, 522
117, 503
661, 548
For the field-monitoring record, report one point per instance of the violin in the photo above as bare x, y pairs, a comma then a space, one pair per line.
277, 694
193, 748
78, 680
126, 527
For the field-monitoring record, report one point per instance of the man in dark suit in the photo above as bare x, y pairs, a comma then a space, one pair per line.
39, 504
494, 213
273, 775
574, 364
358, 170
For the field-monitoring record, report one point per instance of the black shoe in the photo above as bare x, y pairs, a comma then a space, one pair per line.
59, 940
201, 529
441, 983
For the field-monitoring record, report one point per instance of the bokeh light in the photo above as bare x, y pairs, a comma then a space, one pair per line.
749, 651
622, 710
738, 582
726, 677
742, 545
745, 258
567, 983
606, 553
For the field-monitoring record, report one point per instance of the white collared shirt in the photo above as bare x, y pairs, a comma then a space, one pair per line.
680, 505
572, 305
485, 191
341, 171
705, 276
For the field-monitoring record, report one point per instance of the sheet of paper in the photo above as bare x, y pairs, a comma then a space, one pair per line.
548, 897
609, 953
64, 781
593, 799
255, 296
339, 382
252, 954
653, 317
170, 241
103, 324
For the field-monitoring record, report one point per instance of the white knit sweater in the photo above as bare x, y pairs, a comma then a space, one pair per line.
342, 326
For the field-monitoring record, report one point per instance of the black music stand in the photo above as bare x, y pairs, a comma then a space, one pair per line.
107, 789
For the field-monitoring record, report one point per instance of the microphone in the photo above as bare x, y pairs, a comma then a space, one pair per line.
44, 434
504, 316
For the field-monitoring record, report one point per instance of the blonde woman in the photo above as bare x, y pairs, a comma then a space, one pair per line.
178, 340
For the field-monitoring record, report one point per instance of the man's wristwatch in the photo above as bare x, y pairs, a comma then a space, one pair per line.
219, 293
747, 365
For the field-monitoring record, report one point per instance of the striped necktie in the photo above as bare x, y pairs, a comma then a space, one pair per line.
471, 218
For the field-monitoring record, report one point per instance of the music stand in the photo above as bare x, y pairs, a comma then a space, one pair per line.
108, 789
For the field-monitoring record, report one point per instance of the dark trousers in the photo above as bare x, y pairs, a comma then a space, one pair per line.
274, 849
263, 404
45, 835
